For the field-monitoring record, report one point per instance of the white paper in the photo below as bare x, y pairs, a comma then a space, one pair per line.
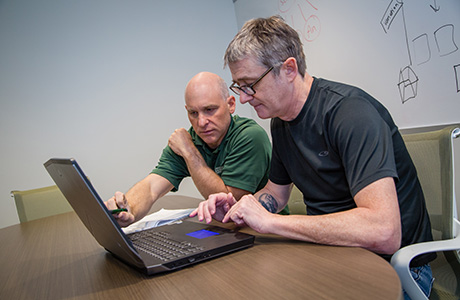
159, 218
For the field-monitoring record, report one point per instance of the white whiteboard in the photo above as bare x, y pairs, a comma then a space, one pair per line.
404, 53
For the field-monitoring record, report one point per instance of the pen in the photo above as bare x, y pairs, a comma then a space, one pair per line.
118, 210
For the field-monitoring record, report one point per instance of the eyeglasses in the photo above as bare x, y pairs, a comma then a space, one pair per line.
248, 89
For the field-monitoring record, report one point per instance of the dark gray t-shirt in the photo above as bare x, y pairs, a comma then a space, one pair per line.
341, 141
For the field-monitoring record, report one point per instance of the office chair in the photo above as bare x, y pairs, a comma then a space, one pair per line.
432, 154
39, 203
295, 203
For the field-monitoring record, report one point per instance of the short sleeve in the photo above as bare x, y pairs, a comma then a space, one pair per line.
363, 140
172, 167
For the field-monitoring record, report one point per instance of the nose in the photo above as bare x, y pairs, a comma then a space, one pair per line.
202, 120
244, 98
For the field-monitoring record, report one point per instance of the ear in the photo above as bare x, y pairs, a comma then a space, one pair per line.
289, 68
231, 102
188, 115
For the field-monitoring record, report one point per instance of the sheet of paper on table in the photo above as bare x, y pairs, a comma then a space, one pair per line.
159, 218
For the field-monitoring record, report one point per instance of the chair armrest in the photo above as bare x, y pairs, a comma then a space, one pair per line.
402, 258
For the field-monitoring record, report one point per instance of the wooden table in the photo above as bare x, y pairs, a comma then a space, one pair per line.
57, 258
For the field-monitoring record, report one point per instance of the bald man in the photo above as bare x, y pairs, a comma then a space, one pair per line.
221, 152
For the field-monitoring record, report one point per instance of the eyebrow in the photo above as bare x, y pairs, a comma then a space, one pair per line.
210, 106
247, 80
204, 107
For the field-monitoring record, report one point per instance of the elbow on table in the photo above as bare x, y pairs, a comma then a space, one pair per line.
388, 242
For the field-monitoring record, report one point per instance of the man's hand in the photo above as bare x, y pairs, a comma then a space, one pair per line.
119, 201
215, 207
181, 142
249, 211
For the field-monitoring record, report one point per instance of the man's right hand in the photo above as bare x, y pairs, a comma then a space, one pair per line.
181, 142
119, 201
215, 207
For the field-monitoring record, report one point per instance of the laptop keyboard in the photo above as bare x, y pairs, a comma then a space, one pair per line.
161, 246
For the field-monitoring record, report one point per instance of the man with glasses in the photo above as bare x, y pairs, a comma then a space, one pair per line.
335, 142
221, 152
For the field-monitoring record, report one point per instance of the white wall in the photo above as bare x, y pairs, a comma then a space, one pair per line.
100, 81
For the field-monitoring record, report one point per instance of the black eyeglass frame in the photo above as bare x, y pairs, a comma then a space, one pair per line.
248, 89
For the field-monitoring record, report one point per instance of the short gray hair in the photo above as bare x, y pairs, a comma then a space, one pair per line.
270, 41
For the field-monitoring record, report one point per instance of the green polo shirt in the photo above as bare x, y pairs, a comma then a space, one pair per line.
242, 160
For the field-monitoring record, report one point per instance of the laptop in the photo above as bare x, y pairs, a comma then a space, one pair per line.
152, 251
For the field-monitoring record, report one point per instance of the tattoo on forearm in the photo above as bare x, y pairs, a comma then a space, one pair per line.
269, 202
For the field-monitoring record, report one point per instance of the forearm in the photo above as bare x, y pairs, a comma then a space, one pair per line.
144, 193
208, 182
374, 224
205, 179
350, 228
274, 197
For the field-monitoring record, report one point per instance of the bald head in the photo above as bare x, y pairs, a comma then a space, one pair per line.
205, 83
209, 107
